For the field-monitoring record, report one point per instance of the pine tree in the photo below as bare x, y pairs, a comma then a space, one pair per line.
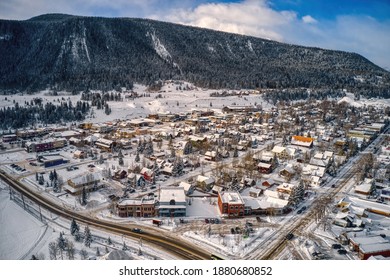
107, 109
77, 236
124, 247
297, 194
51, 176
74, 227
87, 237
84, 197
141, 146
235, 153
56, 186
120, 158
148, 148
187, 148
61, 241
137, 159
178, 167
41, 180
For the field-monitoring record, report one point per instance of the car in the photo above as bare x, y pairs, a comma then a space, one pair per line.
342, 251
336, 246
333, 186
290, 236
136, 230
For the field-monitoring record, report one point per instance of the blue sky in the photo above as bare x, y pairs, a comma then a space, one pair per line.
361, 26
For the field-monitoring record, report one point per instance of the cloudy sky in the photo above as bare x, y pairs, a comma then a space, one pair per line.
361, 26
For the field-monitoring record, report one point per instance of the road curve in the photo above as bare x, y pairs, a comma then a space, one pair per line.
177, 247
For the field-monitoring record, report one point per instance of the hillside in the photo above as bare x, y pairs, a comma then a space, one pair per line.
78, 53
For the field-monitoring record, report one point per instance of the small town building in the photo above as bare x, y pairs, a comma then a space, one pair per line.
89, 181
50, 161
79, 154
45, 145
302, 141
231, 204
172, 202
144, 207
105, 144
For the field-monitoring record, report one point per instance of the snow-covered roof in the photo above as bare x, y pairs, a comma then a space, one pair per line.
278, 149
186, 186
319, 161
375, 248
89, 177
369, 239
277, 202
251, 202
117, 255
285, 187
207, 180
232, 198
371, 205
364, 188
254, 190
105, 141
270, 193
172, 193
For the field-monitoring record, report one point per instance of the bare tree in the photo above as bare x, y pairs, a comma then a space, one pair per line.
53, 250
83, 254
70, 250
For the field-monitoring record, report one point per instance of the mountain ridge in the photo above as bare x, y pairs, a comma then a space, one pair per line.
78, 53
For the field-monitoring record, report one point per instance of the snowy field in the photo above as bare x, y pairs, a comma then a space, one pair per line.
173, 100
22, 235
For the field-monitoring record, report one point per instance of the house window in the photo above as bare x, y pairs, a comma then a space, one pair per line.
172, 202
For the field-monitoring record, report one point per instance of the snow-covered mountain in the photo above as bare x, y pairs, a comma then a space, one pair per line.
78, 53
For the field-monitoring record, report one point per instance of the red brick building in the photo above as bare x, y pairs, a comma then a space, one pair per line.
145, 207
231, 204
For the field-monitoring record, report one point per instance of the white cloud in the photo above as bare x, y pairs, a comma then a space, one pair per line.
309, 19
250, 17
